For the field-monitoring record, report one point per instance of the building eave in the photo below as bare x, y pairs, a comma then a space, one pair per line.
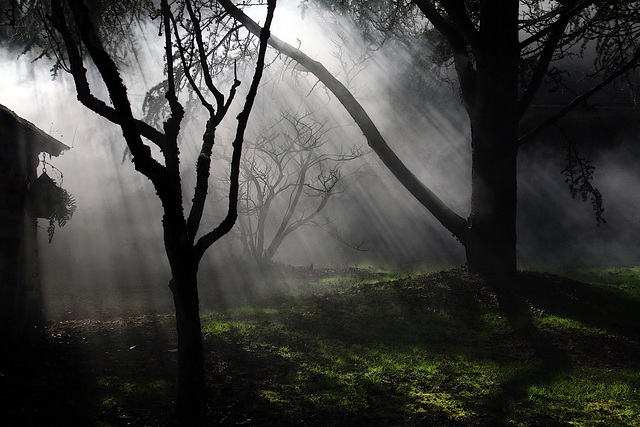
40, 141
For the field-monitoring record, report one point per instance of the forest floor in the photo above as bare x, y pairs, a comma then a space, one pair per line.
356, 347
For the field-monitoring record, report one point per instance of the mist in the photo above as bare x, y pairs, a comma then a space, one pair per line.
110, 260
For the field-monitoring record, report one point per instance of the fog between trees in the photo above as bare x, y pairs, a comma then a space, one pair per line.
114, 240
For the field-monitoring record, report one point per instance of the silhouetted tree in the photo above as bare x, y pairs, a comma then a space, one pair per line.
288, 175
501, 51
196, 34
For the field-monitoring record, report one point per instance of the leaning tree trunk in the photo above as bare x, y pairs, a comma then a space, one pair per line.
489, 235
491, 243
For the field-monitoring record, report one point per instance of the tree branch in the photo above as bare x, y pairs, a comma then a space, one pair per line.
225, 226
203, 171
632, 63
187, 67
456, 11
458, 41
172, 124
203, 55
122, 114
454, 34
569, 10
83, 89
449, 219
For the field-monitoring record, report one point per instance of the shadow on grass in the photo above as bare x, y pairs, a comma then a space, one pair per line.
546, 362
90, 373
441, 349
345, 357
291, 375
263, 388
42, 384
556, 352
599, 307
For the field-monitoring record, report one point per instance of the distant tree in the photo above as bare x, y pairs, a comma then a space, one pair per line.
196, 35
288, 176
501, 52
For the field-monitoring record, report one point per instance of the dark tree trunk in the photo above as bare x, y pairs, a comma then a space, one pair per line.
491, 242
191, 401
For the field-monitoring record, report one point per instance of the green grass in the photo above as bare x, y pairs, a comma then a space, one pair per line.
371, 347
590, 396
402, 352
390, 350
623, 278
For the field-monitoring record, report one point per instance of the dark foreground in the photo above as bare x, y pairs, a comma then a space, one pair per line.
357, 348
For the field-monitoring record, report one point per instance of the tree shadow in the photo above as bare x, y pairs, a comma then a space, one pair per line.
595, 306
259, 385
285, 371
532, 294
345, 327
90, 372
44, 383
548, 361
446, 316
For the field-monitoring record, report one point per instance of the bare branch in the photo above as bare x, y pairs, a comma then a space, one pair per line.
79, 73
557, 29
634, 62
186, 66
122, 109
172, 124
452, 221
203, 55
208, 239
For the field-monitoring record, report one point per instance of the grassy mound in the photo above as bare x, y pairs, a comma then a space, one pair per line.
358, 347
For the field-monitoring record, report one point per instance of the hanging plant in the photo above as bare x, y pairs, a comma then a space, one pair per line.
63, 211
49, 200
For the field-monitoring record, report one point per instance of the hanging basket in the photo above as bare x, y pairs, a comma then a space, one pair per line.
48, 200
45, 196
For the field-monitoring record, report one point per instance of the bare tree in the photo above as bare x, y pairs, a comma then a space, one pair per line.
288, 177
501, 52
199, 38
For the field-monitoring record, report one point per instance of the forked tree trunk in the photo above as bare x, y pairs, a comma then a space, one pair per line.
491, 241
191, 396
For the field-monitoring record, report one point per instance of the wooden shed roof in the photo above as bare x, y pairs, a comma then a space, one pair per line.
14, 126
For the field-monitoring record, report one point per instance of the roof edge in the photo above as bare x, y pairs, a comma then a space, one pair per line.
35, 135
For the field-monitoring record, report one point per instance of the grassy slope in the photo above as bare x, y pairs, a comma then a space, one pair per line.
362, 348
